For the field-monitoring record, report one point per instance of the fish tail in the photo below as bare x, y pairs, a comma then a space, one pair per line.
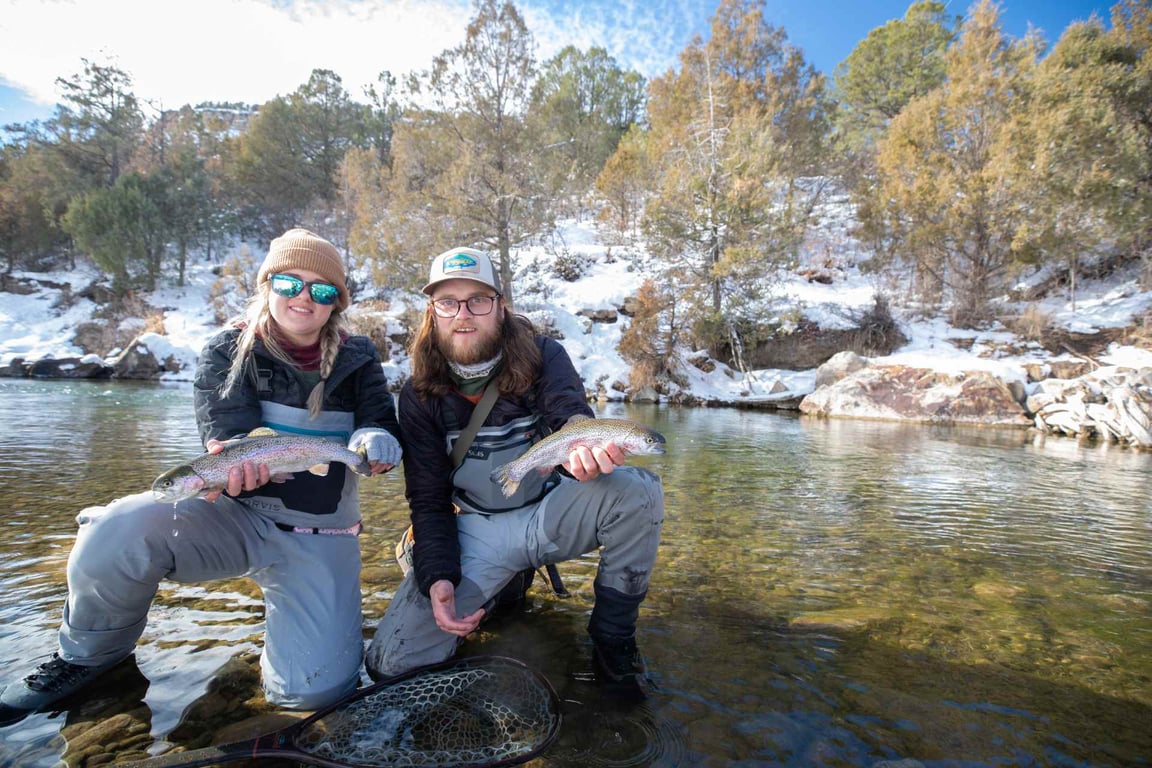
362, 467
504, 479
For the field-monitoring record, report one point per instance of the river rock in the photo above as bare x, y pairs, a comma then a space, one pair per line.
137, 361
1113, 404
599, 315
87, 367
838, 366
901, 393
14, 369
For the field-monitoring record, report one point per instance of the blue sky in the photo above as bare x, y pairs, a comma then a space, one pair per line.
253, 50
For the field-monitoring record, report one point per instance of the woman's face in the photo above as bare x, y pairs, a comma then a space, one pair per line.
299, 318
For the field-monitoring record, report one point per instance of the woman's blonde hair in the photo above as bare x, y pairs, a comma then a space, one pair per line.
257, 323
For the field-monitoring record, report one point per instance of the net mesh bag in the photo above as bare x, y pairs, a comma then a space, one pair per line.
468, 714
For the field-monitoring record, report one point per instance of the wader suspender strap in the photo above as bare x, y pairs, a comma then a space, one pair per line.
479, 413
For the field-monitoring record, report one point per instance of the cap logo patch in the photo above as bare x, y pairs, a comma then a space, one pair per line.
461, 262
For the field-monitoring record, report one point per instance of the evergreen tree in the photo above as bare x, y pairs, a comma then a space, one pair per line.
1078, 155
649, 342
463, 167
1132, 24
894, 64
123, 229
942, 189
182, 151
98, 126
287, 163
623, 183
86, 145
734, 136
582, 104
29, 230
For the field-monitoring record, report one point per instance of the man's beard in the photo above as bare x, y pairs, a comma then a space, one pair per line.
468, 349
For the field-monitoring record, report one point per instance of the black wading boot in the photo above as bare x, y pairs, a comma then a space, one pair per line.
613, 631
51, 681
515, 591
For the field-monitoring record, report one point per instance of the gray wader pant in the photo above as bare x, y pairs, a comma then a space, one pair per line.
621, 513
311, 582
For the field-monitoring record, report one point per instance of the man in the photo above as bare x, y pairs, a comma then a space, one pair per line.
470, 540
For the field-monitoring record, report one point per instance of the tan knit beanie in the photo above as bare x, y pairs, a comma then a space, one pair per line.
301, 249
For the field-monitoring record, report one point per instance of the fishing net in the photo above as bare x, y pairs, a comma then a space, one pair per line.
490, 712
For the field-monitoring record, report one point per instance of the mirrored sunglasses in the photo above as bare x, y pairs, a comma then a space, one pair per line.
290, 286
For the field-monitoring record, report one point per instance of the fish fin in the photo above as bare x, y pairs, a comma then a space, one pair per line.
263, 432
545, 471
281, 477
319, 469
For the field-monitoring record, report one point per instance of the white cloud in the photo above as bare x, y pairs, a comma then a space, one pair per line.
222, 50
253, 50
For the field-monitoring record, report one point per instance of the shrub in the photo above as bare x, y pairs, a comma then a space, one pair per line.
1032, 324
229, 294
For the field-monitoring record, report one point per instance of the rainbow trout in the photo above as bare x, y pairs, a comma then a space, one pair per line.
630, 437
283, 453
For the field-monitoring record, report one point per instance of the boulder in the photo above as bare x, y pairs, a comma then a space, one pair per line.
137, 361
901, 393
1112, 404
87, 367
600, 315
838, 366
14, 369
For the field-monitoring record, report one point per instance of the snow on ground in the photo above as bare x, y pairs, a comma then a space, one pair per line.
38, 325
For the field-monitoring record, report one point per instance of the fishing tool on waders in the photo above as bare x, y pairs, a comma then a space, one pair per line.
470, 712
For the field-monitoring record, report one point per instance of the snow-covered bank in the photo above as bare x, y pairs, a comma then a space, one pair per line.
584, 312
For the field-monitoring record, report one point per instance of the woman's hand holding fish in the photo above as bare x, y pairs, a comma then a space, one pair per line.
443, 596
243, 477
586, 463
378, 446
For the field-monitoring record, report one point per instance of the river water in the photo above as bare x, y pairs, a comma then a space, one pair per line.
829, 593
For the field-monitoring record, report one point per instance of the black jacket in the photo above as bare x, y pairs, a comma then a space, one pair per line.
430, 426
357, 386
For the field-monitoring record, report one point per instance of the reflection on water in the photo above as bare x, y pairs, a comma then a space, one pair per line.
828, 593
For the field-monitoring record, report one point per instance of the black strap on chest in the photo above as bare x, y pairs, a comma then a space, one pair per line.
479, 413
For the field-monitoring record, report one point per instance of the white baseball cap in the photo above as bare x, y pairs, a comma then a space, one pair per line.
462, 263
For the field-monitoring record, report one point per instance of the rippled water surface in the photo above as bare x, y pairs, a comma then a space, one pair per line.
828, 593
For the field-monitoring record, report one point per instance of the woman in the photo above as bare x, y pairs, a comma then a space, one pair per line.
289, 365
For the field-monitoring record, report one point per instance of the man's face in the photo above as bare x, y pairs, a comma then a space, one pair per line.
468, 338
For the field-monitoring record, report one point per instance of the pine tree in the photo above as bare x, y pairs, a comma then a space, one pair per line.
622, 184
582, 105
941, 189
896, 63
286, 165
1077, 156
735, 136
463, 169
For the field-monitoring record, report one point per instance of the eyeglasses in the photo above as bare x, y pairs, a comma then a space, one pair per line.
477, 305
290, 286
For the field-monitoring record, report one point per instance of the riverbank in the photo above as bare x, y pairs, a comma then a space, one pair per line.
46, 317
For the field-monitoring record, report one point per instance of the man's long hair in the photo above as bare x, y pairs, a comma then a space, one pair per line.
431, 376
